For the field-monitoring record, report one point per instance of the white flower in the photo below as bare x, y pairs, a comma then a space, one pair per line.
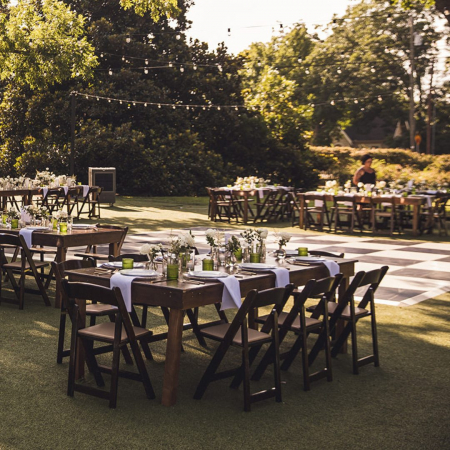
145, 249
263, 233
360, 184
348, 184
382, 184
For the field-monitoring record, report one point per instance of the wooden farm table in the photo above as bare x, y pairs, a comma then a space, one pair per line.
76, 238
415, 201
246, 196
11, 194
179, 296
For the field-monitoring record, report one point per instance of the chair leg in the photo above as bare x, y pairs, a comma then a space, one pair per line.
354, 348
62, 330
195, 328
210, 371
276, 363
291, 354
306, 380
375, 339
246, 384
142, 370
114, 376
73, 353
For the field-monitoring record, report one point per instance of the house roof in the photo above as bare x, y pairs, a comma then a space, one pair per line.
375, 130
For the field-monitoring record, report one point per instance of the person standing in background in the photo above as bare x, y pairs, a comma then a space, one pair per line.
365, 174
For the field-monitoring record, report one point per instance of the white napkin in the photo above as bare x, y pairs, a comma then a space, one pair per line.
66, 189
85, 190
25, 216
282, 276
260, 193
231, 296
27, 236
332, 266
124, 284
45, 191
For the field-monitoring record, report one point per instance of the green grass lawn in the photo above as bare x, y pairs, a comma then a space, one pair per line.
403, 404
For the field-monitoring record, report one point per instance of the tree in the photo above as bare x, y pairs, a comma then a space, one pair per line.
42, 43
443, 6
361, 70
272, 80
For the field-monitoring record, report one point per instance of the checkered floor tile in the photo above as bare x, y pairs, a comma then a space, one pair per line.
418, 270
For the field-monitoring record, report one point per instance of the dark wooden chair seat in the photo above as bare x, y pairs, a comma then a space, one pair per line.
105, 332
102, 332
218, 332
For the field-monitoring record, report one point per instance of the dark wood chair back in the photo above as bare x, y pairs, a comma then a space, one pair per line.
107, 332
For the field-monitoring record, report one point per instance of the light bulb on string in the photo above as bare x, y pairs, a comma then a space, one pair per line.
373, 70
109, 100
128, 39
159, 106
98, 99
110, 72
187, 107
173, 107
134, 103
87, 97
123, 58
218, 108
356, 101
146, 71
170, 64
146, 62
307, 71
181, 69
219, 67
194, 67
332, 102
145, 104
380, 98
120, 101
101, 55
178, 37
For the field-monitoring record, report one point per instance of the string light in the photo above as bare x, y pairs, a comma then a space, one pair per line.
128, 39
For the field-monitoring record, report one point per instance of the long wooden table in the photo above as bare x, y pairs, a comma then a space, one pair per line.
76, 238
179, 296
415, 201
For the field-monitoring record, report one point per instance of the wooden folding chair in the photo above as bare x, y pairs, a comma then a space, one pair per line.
238, 334
25, 267
92, 202
315, 212
386, 210
348, 207
346, 310
295, 321
92, 250
266, 206
119, 333
436, 215
224, 205
54, 199
93, 310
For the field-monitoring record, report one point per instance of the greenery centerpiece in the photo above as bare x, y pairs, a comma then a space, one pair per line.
13, 217
234, 251
180, 250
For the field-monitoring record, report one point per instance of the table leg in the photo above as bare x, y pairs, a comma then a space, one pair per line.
173, 353
340, 325
301, 212
114, 248
416, 216
60, 257
245, 218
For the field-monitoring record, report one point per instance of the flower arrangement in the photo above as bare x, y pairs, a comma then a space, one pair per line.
182, 243
32, 210
233, 244
261, 234
282, 238
250, 182
348, 184
215, 238
45, 177
151, 250
13, 213
61, 216
249, 236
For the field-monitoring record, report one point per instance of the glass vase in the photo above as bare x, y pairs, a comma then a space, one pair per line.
262, 252
281, 253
